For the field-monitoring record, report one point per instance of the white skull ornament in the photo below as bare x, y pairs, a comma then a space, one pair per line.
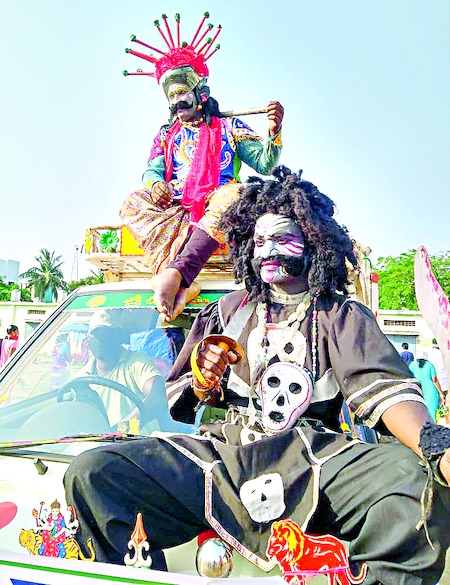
285, 391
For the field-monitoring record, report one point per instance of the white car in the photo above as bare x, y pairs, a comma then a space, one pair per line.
51, 409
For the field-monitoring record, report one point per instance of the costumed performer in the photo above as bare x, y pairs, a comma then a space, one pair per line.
279, 454
192, 174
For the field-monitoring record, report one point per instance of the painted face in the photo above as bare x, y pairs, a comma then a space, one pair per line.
276, 235
263, 497
182, 102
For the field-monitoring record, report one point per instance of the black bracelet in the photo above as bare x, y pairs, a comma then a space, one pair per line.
434, 442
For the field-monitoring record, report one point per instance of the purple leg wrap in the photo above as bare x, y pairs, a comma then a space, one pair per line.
194, 255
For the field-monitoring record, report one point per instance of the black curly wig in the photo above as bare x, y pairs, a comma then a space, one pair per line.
327, 244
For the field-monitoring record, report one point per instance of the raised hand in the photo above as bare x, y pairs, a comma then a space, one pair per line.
275, 113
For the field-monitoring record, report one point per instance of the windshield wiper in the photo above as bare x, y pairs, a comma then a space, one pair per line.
100, 438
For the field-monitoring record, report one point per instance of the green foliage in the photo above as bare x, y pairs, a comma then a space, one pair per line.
25, 295
95, 278
47, 277
396, 285
5, 292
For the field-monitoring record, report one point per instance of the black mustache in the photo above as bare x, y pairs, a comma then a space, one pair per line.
294, 265
180, 106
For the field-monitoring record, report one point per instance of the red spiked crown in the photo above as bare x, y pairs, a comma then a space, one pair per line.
179, 54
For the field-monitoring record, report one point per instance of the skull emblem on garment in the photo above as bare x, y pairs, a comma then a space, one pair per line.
285, 393
263, 497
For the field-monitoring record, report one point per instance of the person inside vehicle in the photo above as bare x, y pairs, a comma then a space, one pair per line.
192, 174
279, 454
135, 370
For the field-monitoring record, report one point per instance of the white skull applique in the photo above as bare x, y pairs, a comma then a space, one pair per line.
263, 497
285, 392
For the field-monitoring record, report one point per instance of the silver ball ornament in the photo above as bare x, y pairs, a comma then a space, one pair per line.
214, 558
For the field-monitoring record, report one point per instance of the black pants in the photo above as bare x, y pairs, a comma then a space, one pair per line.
369, 496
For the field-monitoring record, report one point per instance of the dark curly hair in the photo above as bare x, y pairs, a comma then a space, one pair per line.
327, 244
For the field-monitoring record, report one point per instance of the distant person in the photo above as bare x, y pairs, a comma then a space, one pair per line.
435, 357
425, 373
9, 344
407, 356
61, 361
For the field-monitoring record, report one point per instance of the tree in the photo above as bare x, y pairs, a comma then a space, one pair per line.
46, 278
396, 286
5, 292
93, 278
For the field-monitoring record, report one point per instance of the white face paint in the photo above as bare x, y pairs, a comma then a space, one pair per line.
276, 235
178, 92
285, 391
263, 497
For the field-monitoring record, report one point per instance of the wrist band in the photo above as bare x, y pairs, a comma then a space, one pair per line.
227, 344
434, 442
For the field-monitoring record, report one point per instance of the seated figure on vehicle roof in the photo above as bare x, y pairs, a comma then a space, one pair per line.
279, 455
192, 174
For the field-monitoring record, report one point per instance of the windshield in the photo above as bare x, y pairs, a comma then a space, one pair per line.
97, 366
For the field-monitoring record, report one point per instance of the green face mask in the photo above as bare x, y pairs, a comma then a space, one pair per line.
185, 75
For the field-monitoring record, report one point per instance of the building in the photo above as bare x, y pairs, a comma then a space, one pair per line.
9, 271
405, 326
26, 316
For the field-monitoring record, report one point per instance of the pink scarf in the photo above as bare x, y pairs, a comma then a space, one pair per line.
204, 174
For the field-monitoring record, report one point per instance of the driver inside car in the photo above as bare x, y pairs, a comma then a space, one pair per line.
137, 371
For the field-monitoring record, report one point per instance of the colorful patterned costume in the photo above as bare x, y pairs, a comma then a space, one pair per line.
162, 232
53, 540
199, 153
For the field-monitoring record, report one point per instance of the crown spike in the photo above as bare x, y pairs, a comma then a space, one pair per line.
142, 56
135, 40
205, 17
169, 32
217, 47
158, 26
205, 45
218, 31
177, 20
208, 29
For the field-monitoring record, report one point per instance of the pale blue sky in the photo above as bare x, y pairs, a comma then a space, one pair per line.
365, 86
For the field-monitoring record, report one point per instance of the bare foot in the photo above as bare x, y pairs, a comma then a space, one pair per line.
166, 289
171, 298
182, 298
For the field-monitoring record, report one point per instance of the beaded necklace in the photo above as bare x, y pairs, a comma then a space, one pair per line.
293, 322
192, 124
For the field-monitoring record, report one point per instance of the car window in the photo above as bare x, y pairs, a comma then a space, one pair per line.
97, 366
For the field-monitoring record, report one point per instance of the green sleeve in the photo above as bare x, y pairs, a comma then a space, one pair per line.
154, 171
261, 156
